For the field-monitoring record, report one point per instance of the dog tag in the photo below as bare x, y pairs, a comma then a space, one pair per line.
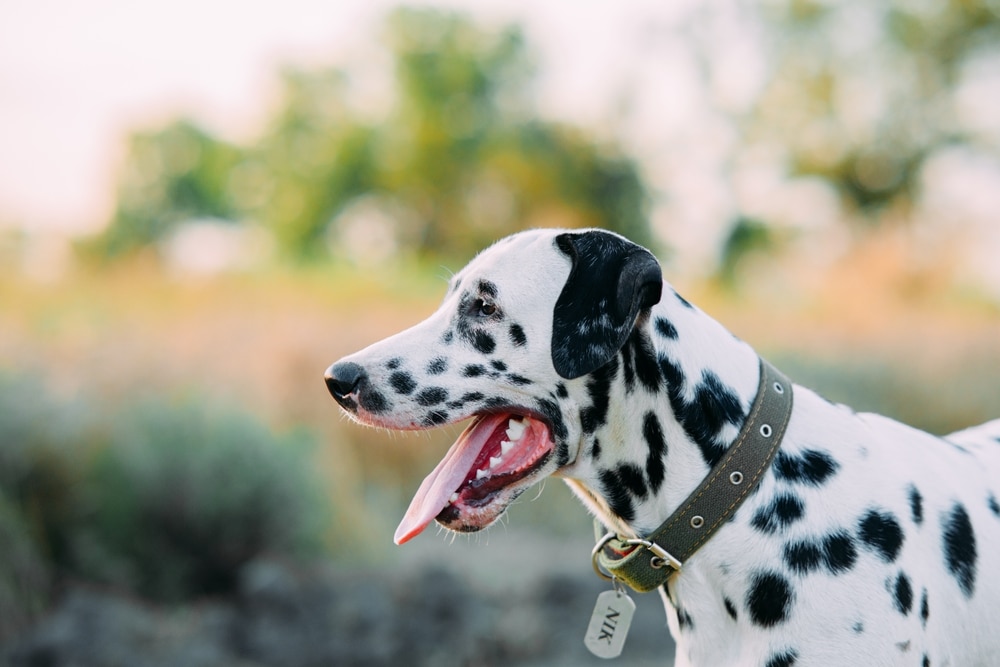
609, 623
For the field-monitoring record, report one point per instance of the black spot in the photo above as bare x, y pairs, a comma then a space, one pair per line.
614, 491
394, 363
786, 658
903, 594
562, 391
653, 433
960, 548
769, 599
550, 410
472, 396
473, 371
730, 607
374, 402
498, 365
803, 557
779, 513
632, 478
628, 372
646, 368
437, 366
595, 449
483, 342
916, 505
435, 418
713, 406
836, 551
517, 335
599, 387
487, 288
925, 610
858, 627
432, 396
519, 380
926, 662
880, 532
448, 337
402, 383
665, 328
810, 467
994, 506
839, 552
684, 302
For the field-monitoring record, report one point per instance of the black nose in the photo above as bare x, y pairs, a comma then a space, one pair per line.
343, 379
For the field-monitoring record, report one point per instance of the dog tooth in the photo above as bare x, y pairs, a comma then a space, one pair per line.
515, 429
481, 474
505, 447
494, 461
453, 498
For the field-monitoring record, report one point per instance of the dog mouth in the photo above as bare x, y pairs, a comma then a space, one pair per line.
493, 461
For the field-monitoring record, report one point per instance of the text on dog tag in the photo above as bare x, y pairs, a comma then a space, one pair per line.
609, 624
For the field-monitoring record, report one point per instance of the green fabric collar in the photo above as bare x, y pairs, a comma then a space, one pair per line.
647, 563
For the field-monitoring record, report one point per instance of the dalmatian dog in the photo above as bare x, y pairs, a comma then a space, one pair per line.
866, 542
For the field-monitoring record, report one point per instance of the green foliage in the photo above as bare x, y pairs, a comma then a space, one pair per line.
172, 176
748, 237
43, 457
862, 94
459, 159
167, 500
185, 497
24, 575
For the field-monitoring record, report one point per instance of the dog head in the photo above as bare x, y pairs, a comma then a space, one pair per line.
520, 326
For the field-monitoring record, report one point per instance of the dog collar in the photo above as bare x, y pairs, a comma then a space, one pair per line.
648, 563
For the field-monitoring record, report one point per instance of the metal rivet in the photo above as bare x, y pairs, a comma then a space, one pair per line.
779, 388
697, 521
736, 478
657, 563
765, 430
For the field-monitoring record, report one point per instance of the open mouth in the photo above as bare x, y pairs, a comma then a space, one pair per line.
491, 464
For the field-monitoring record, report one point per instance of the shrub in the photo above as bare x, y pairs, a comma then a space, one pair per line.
24, 576
166, 499
183, 496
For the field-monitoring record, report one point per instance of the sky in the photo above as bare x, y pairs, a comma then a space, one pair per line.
77, 75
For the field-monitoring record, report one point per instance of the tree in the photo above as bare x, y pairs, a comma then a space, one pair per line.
460, 159
172, 175
863, 94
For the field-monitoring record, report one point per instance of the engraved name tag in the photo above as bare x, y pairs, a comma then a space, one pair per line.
609, 624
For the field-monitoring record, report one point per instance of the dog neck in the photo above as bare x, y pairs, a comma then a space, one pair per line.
688, 384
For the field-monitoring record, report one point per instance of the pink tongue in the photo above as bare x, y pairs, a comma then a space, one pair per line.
435, 492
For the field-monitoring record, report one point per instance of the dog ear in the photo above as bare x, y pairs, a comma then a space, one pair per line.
611, 281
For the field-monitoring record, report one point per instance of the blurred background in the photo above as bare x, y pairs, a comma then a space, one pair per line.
204, 204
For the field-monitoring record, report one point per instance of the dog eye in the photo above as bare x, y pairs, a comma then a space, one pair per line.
484, 308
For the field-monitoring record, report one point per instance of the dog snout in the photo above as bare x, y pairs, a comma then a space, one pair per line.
343, 379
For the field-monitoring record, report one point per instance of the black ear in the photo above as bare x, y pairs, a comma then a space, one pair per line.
612, 280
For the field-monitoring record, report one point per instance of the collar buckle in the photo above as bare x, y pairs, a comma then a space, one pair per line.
661, 557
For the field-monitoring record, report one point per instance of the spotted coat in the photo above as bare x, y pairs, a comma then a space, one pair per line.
867, 543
